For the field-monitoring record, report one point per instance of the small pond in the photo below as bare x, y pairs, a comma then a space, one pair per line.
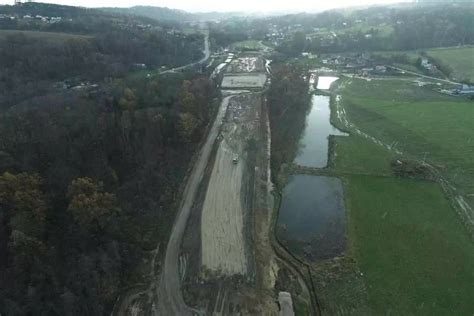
311, 221
324, 82
313, 151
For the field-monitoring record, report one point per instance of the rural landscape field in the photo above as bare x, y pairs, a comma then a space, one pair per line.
239, 158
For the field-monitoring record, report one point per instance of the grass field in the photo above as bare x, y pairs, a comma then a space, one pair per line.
383, 30
426, 124
407, 240
460, 60
248, 45
410, 246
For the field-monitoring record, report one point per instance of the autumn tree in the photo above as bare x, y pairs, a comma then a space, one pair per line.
128, 101
187, 126
187, 100
23, 202
90, 206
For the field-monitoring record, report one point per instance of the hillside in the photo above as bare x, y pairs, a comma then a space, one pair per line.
157, 13
404, 27
166, 14
94, 145
75, 44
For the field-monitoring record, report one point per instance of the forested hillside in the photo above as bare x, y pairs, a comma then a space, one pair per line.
406, 27
92, 153
170, 15
110, 46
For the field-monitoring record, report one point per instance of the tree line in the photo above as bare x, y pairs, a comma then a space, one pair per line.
289, 103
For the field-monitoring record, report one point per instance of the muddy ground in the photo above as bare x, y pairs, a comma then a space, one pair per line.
247, 63
244, 80
228, 199
227, 265
246, 71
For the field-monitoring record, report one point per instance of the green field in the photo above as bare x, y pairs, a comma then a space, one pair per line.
411, 54
383, 30
406, 238
425, 124
248, 45
460, 60
409, 244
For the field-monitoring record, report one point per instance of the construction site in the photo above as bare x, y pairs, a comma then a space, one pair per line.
228, 261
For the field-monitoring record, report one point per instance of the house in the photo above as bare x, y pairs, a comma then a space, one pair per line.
464, 89
351, 65
366, 71
381, 69
425, 63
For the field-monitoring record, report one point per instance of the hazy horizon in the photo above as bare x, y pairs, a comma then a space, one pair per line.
222, 6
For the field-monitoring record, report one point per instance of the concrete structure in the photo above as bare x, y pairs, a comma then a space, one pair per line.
286, 304
240, 81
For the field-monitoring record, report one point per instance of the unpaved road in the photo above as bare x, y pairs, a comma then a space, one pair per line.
170, 298
206, 52
222, 220
424, 76
226, 205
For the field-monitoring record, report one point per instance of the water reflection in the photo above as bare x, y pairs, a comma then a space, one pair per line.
324, 82
315, 141
312, 217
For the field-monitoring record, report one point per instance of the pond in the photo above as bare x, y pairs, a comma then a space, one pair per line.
311, 222
324, 82
313, 149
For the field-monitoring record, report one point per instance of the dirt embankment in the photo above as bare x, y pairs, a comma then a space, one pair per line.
222, 217
227, 264
223, 241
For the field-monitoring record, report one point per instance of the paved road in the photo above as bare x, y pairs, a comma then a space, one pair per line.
206, 52
170, 298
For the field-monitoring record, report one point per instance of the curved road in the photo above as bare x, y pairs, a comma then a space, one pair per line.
206, 52
170, 298
169, 294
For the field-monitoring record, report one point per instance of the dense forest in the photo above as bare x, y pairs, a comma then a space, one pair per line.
89, 177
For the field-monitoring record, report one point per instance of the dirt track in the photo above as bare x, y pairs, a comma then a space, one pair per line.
222, 217
225, 280
170, 297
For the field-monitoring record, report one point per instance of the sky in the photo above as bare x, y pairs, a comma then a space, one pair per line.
229, 5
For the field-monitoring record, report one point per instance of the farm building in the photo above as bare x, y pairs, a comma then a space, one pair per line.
465, 89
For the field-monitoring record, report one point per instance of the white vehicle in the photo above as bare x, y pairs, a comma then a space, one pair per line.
235, 160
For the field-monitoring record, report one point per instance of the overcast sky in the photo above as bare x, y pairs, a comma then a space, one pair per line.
229, 5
